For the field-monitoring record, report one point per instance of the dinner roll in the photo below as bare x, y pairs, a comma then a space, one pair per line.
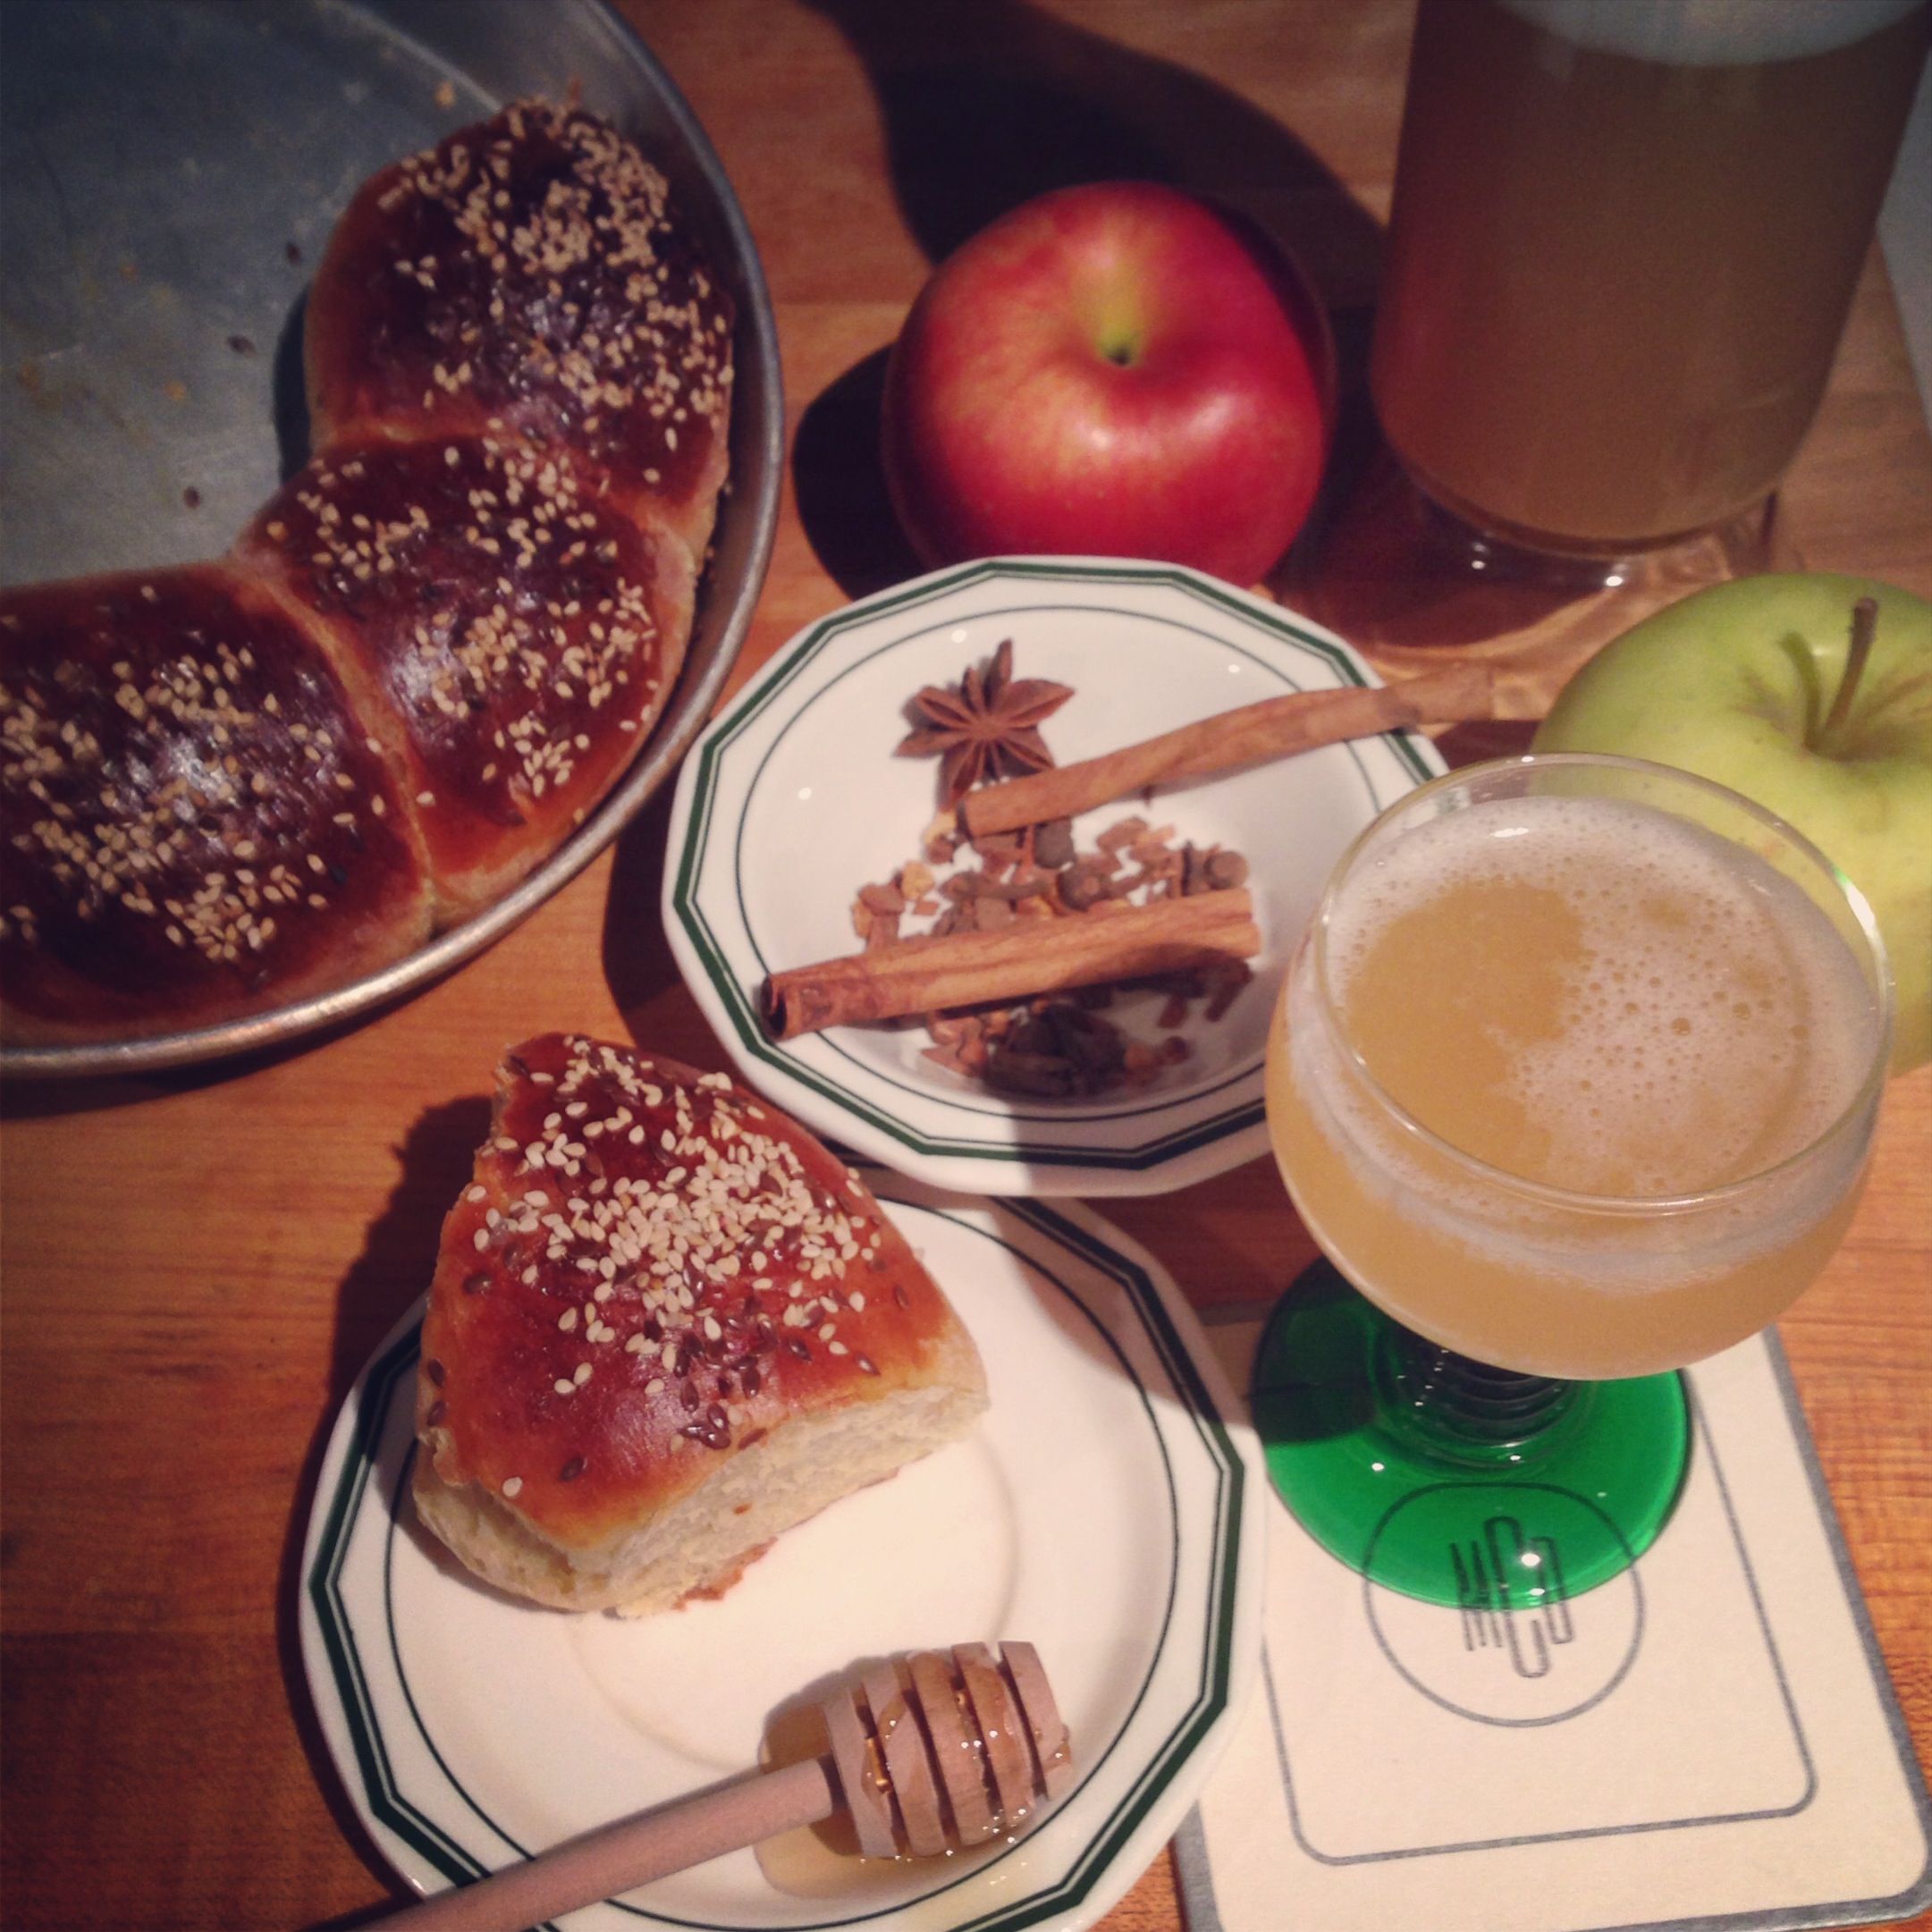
531, 276
666, 1325
511, 637
194, 823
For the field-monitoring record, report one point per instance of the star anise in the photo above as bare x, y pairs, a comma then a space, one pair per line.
986, 727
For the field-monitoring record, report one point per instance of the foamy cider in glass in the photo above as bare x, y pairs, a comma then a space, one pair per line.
1576, 1084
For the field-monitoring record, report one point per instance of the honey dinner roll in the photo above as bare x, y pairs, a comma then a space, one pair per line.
666, 1325
193, 826
508, 636
528, 276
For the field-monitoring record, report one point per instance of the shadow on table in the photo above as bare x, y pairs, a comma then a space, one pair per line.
23, 1097
659, 1011
840, 483
989, 103
398, 1258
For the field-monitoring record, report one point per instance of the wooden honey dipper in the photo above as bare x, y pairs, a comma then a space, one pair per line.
930, 1751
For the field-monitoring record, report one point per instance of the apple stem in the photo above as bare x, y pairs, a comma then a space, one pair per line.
1864, 628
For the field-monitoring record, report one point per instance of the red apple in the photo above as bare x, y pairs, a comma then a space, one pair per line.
1111, 370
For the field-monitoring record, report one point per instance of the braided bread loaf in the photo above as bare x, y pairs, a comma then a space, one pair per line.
229, 786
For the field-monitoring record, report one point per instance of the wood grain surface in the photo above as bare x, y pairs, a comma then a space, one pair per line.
195, 1267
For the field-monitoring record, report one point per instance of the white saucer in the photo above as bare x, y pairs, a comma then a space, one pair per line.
792, 800
1106, 1508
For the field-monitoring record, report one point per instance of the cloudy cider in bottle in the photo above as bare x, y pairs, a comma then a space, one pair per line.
1573, 1085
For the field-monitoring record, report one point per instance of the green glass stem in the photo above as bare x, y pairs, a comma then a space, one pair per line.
1448, 1479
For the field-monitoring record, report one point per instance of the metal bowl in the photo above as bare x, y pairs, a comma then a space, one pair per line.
173, 170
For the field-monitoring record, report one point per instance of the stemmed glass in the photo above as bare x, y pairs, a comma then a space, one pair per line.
1573, 1080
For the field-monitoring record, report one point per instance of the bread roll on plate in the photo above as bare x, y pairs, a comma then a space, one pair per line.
666, 1326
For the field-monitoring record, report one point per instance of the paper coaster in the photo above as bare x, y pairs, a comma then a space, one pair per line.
1710, 1740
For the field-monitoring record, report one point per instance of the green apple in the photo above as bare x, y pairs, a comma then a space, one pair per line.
1739, 683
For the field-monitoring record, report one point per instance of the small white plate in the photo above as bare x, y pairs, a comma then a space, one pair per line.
1106, 1508
792, 800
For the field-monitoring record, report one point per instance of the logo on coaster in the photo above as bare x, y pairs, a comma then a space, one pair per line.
1514, 1646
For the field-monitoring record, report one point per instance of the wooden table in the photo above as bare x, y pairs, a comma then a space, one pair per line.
196, 1267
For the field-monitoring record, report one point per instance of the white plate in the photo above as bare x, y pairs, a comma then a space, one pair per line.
1105, 1508
792, 800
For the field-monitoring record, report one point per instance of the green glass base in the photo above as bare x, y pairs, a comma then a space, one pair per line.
1449, 1482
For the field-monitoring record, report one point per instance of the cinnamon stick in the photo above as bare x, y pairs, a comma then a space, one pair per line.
1275, 727
1112, 941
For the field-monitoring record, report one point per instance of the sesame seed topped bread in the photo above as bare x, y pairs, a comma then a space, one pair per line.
530, 276
666, 1325
511, 636
192, 822
520, 373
